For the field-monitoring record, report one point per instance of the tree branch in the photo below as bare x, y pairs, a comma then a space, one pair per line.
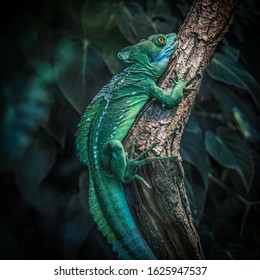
163, 213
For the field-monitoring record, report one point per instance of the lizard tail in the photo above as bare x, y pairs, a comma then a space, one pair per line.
133, 246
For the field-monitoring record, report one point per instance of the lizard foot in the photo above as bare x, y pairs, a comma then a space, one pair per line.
177, 81
132, 164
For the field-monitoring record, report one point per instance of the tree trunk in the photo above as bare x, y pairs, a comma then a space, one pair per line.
162, 213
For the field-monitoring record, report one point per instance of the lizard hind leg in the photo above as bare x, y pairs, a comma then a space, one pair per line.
138, 162
115, 162
113, 159
133, 164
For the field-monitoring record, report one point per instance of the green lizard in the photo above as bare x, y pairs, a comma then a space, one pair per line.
102, 129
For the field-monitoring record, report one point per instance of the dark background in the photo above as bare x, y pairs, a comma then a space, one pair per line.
55, 56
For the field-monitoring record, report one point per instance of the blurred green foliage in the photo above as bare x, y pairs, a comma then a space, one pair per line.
55, 57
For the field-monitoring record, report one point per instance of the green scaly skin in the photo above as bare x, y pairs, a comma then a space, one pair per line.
102, 129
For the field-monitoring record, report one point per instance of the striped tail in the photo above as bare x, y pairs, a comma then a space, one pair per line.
101, 221
133, 246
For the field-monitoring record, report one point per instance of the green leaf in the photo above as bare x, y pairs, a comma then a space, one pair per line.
247, 128
228, 148
78, 67
193, 152
229, 207
142, 23
76, 227
110, 51
207, 239
196, 195
193, 149
231, 51
218, 150
237, 110
183, 8
221, 232
239, 149
124, 21
70, 66
97, 20
62, 120
233, 251
161, 14
228, 71
34, 167
27, 109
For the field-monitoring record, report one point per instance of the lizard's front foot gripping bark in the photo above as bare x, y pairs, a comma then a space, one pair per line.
177, 81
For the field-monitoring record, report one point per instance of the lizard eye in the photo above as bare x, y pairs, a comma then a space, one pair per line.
161, 40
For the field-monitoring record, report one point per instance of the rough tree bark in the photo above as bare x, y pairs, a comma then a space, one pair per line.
163, 213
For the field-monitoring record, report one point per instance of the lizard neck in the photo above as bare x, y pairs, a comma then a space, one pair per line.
140, 70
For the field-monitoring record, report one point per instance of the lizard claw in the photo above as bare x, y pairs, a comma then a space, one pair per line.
175, 79
186, 73
134, 163
146, 151
132, 150
142, 181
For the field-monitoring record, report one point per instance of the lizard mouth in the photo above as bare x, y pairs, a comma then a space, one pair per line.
171, 49
167, 52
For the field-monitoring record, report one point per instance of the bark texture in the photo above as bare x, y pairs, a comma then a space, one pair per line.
163, 213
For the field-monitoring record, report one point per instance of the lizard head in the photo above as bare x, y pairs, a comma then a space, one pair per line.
152, 54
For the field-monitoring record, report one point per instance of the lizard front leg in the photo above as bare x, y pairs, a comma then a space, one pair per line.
173, 98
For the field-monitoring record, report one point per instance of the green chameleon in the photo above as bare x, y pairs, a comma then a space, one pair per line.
102, 129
